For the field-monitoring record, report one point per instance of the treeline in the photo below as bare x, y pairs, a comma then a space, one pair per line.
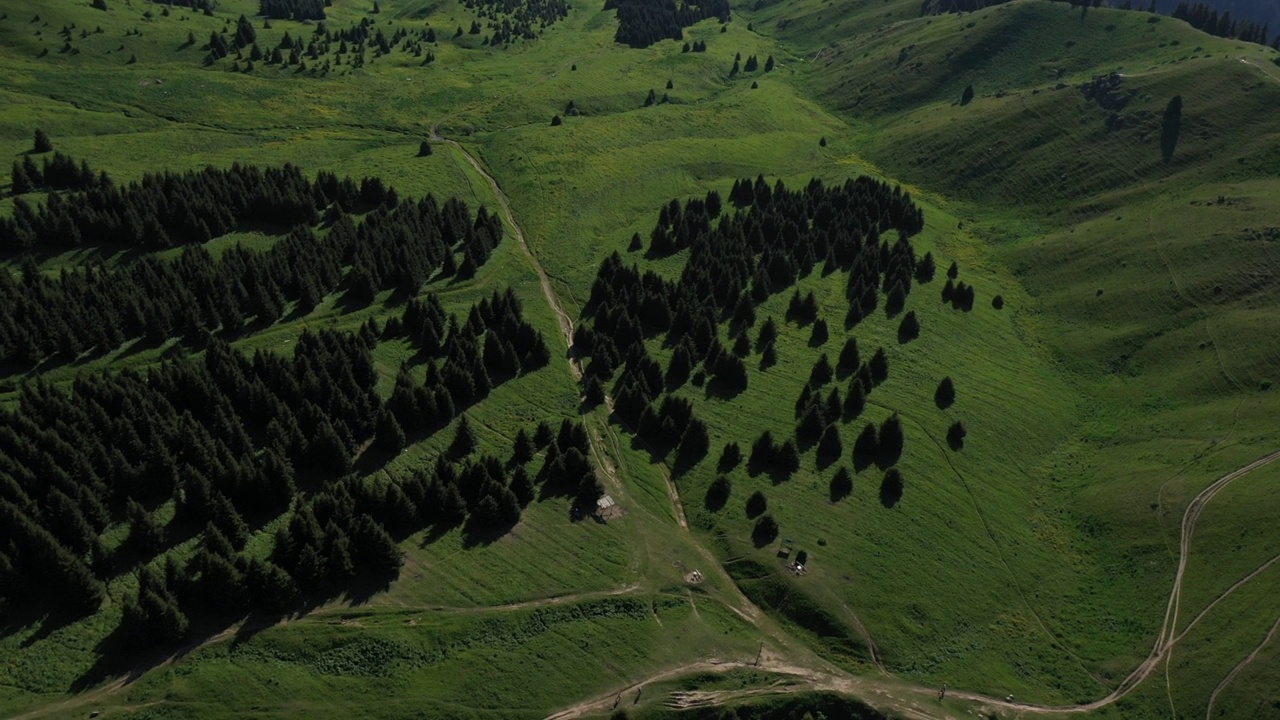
1204, 17
777, 237
292, 9
94, 310
169, 208
351, 46
57, 172
1201, 16
642, 23
231, 440
207, 6
511, 20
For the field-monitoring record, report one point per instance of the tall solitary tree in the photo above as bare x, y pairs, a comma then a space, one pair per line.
1171, 127
42, 142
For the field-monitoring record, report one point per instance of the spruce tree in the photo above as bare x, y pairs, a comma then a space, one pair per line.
865, 447
830, 447
879, 367
841, 484
522, 448
891, 487
849, 358
765, 531
730, 457
945, 395
819, 334
389, 436
821, 373
909, 328
464, 439
42, 142
854, 401
890, 441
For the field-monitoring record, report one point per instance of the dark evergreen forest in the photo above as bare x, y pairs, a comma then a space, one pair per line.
1250, 23
233, 440
642, 23
735, 262
396, 245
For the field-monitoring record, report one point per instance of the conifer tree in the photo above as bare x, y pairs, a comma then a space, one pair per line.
945, 395
464, 439
522, 448
879, 367
866, 447
42, 143
889, 441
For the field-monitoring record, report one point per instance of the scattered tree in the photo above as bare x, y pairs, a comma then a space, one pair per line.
841, 484
42, 142
1171, 128
765, 531
891, 487
945, 395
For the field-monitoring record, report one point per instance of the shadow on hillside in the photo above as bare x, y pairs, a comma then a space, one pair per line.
31, 614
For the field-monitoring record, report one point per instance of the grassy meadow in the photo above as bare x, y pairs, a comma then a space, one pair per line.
1132, 363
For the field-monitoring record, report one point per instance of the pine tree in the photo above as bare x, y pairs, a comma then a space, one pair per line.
879, 367
768, 333
22, 183
866, 447
765, 530
145, 533
718, 492
424, 149
522, 448
925, 269
890, 441
464, 439
42, 142
849, 358
522, 486
730, 457
830, 447
819, 334
787, 457
956, 434
593, 394
769, 357
945, 395
821, 373
909, 328
389, 436
271, 589
891, 487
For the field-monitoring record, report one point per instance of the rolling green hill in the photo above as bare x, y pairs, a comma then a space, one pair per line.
1074, 549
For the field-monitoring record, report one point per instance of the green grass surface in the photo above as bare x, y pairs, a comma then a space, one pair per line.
1131, 365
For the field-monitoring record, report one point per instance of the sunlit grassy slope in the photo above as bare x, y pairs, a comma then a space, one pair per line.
1132, 362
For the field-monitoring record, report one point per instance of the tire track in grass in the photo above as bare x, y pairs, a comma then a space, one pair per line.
1208, 713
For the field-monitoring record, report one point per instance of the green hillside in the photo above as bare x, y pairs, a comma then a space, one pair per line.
1115, 360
